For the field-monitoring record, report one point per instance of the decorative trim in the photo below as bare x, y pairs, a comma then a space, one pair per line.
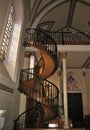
5, 88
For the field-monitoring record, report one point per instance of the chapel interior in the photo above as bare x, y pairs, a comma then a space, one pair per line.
45, 64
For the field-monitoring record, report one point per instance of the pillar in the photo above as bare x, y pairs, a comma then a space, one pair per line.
64, 55
85, 98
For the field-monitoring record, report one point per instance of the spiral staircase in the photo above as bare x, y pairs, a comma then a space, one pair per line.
42, 94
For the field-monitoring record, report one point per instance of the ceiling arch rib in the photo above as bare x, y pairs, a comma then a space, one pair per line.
33, 11
46, 25
44, 11
86, 2
56, 15
71, 12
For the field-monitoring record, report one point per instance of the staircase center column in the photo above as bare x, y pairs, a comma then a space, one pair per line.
66, 125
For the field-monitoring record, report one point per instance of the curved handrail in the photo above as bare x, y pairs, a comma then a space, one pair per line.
33, 36
26, 75
20, 121
69, 38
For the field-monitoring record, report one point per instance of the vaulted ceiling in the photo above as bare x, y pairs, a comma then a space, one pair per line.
62, 15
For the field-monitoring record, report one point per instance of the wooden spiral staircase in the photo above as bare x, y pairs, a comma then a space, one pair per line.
43, 95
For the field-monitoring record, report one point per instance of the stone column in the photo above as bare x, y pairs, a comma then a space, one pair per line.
85, 98
64, 55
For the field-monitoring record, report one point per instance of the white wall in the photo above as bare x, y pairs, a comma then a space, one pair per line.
10, 103
11, 64
22, 105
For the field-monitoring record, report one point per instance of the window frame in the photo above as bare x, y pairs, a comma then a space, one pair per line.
7, 35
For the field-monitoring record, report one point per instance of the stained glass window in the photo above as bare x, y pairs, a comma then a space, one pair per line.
73, 82
7, 35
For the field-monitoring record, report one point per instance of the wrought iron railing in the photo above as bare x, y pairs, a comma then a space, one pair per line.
37, 88
40, 39
69, 38
28, 119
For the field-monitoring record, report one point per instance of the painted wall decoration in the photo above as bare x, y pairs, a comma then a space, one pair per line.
73, 82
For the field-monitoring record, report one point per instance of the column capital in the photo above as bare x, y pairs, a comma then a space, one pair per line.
64, 55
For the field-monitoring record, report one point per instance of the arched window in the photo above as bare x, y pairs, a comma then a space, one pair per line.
11, 40
7, 35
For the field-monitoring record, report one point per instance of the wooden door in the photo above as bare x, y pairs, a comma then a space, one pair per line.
75, 108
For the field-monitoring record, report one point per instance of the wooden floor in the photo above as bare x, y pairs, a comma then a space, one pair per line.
53, 129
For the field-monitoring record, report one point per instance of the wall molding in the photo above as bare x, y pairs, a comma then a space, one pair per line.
5, 88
